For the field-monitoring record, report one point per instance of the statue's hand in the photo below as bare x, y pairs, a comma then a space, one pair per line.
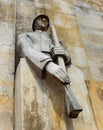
57, 51
58, 72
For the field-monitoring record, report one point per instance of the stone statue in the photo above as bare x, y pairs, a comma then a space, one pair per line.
38, 47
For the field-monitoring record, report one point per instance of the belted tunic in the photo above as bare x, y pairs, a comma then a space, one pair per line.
35, 46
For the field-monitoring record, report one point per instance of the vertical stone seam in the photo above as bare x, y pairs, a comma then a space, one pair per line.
87, 82
21, 82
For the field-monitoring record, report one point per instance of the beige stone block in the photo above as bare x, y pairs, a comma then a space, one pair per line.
86, 119
80, 57
7, 82
86, 72
62, 6
6, 57
80, 3
91, 21
96, 69
6, 113
25, 9
7, 12
7, 71
101, 8
39, 104
95, 37
74, 32
6, 105
93, 51
7, 38
88, 17
6, 33
83, 67
93, 4
96, 96
70, 36
96, 7
91, 25
6, 91
6, 121
6, 49
70, 50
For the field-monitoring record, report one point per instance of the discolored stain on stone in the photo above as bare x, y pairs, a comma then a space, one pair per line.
100, 92
96, 96
65, 7
101, 69
30, 121
7, 39
7, 12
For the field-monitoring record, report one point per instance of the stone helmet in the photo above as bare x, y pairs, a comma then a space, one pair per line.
38, 16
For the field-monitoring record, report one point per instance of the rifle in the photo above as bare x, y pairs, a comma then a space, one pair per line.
72, 106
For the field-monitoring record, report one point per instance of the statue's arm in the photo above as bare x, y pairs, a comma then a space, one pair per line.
27, 50
41, 60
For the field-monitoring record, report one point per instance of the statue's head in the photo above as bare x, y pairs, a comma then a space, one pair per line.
41, 22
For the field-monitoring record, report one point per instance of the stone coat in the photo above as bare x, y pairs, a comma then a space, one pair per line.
36, 47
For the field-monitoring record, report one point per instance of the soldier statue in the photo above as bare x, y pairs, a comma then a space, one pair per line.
38, 47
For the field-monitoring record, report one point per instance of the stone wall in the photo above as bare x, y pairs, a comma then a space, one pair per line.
7, 40
90, 19
79, 25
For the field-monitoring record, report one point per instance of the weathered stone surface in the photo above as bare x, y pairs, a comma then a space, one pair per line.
89, 14
40, 104
86, 118
96, 69
7, 38
86, 54
6, 34
80, 60
62, 6
91, 26
69, 35
93, 51
95, 4
7, 11
6, 112
96, 96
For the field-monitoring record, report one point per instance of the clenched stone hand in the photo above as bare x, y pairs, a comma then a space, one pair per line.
59, 51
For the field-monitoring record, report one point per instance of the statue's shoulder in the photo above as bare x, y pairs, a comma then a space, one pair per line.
25, 34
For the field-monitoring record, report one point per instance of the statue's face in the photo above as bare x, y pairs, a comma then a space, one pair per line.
41, 24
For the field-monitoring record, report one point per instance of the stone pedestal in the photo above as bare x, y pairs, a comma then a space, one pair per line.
39, 103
